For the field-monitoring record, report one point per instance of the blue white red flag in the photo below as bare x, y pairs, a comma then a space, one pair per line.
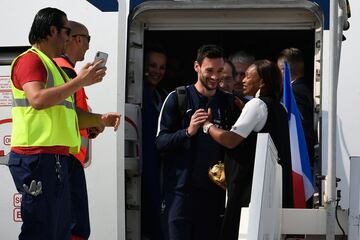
301, 172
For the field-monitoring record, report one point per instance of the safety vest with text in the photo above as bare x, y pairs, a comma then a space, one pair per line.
53, 126
80, 102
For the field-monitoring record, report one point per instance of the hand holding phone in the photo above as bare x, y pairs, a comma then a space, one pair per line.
101, 56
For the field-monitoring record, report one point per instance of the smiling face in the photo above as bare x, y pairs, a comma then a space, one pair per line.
156, 68
209, 73
251, 82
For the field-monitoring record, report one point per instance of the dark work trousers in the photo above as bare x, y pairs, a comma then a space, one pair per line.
175, 217
46, 216
188, 217
79, 199
207, 209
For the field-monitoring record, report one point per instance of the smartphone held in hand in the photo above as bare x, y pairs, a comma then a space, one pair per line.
101, 56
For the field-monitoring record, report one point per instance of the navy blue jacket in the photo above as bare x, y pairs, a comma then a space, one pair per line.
187, 160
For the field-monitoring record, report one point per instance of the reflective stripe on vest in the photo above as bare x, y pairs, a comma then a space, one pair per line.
84, 142
83, 156
53, 126
25, 103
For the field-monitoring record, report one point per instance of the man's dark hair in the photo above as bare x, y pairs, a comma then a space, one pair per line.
43, 20
209, 51
271, 78
295, 59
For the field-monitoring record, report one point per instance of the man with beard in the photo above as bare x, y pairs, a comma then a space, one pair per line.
192, 206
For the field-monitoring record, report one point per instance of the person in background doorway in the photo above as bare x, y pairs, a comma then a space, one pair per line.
153, 98
241, 60
303, 97
46, 127
192, 205
263, 113
75, 51
226, 84
227, 81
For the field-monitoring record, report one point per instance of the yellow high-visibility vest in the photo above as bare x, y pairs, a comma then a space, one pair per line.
53, 126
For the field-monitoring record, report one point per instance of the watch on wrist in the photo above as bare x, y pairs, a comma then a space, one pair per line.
206, 127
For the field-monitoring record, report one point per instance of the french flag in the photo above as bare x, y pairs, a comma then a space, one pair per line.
301, 172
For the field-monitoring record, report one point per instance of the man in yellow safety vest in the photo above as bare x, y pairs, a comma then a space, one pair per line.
46, 127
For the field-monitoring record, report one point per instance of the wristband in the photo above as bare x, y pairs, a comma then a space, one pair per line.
187, 133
